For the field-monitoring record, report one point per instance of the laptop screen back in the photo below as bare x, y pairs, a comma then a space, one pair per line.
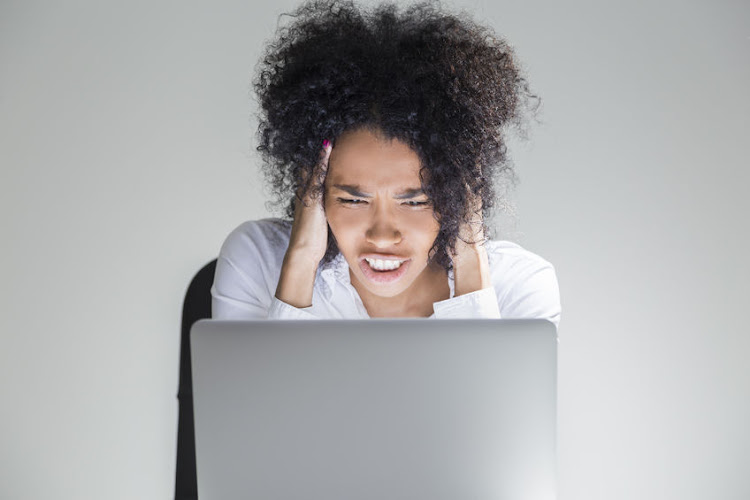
376, 409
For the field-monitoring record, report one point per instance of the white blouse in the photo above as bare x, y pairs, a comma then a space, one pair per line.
249, 265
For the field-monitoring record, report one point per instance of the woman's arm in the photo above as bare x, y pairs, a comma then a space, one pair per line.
471, 267
247, 270
247, 273
307, 243
523, 285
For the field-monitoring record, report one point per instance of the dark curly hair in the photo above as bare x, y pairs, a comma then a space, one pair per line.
439, 82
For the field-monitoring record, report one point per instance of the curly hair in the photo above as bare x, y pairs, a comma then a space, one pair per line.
438, 82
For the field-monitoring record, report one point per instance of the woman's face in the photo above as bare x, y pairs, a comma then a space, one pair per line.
383, 223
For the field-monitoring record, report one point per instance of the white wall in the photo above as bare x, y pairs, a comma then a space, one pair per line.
126, 157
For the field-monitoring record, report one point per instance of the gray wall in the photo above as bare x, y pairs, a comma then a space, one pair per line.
126, 157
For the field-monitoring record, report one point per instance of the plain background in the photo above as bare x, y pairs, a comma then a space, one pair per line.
126, 147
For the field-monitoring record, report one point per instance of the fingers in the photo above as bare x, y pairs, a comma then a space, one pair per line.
311, 188
309, 235
472, 228
321, 168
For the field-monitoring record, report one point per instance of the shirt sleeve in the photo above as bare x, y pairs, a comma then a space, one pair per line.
247, 272
235, 294
282, 310
535, 294
524, 287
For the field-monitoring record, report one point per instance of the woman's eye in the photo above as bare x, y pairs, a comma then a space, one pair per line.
414, 203
351, 201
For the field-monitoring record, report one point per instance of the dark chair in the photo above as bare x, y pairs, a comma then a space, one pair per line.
197, 306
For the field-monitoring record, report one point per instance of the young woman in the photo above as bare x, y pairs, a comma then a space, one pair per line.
385, 129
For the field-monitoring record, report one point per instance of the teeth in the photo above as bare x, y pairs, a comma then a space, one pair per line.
384, 265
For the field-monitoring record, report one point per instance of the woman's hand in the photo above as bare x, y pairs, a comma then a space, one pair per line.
471, 267
308, 240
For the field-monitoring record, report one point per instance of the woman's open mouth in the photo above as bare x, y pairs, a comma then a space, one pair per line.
384, 264
383, 270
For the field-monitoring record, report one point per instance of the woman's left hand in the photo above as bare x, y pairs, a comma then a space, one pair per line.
471, 267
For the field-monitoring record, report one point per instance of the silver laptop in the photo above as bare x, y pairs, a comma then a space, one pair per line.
414, 409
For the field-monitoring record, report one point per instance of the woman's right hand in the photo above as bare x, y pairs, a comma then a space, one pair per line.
308, 240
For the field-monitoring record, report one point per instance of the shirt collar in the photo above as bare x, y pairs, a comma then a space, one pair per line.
335, 271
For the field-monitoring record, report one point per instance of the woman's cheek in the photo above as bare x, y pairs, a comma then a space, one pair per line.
423, 221
342, 220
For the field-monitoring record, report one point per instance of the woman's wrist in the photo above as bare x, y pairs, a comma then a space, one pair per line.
471, 268
297, 279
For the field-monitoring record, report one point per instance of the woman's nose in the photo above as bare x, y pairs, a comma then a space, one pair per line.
383, 231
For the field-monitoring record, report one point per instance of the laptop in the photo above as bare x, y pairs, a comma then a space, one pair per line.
396, 409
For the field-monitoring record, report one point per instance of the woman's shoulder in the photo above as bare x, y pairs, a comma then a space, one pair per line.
514, 267
248, 267
511, 256
512, 252
525, 283
264, 238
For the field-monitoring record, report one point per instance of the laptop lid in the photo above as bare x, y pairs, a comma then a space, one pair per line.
375, 409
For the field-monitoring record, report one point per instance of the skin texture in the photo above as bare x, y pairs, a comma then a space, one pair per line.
375, 206
308, 241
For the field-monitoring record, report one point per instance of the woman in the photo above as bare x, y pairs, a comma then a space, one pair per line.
386, 130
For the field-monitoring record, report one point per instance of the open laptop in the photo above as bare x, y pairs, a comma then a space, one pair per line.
411, 409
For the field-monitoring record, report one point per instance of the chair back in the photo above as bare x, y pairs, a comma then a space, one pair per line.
197, 306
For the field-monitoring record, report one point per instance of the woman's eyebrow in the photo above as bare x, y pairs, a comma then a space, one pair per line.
354, 190
409, 193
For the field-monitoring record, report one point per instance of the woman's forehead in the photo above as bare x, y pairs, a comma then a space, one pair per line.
363, 157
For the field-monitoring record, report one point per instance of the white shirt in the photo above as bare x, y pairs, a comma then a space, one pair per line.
249, 266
